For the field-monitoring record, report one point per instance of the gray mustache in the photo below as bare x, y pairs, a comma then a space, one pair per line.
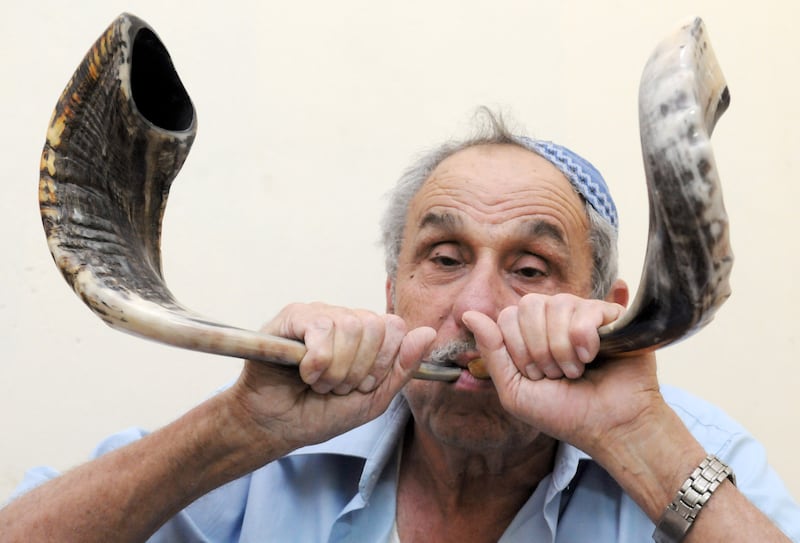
447, 353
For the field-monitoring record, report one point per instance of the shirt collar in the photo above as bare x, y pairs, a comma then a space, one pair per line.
379, 436
566, 464
375, 442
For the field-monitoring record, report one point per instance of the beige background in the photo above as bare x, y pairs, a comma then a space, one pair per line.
308, 112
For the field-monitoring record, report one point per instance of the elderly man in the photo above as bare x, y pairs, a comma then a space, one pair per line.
500, 248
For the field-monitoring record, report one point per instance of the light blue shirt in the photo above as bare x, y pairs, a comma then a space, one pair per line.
345, 489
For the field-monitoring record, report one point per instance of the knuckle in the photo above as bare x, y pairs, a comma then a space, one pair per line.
373, 325
564, 298
509, 316
321, 323
564, 303
350, 324
394, 323
318, 358
289, 309
582, 331
532, 299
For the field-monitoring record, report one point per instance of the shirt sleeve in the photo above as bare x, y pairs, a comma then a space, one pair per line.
207, 520
759, 482
734, 445
41, 474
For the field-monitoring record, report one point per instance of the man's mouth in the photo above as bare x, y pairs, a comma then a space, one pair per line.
446, 362
451, 371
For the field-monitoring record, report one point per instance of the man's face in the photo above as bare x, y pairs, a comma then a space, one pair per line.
491, 224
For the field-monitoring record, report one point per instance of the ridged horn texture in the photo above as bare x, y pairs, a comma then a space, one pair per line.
124, 125
688, 258
118, 136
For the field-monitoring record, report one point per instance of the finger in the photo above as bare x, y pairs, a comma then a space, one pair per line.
489, 339
318, 337
393, 332
414, 345
332, 342
533, 324
348, 333
584, 334
508, 322
562, 312
369, 339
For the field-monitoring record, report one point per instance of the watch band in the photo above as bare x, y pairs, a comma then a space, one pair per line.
695, 492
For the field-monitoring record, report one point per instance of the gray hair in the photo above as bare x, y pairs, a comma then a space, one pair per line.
602, 234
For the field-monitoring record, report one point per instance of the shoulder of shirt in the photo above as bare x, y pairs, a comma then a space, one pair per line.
710, 424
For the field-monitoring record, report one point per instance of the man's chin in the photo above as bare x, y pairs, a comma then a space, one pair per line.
477, 426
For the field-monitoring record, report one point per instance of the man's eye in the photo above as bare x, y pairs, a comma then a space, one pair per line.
530, 266
530, 272
445, 261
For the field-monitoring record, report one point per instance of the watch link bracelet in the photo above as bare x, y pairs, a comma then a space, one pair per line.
695, 492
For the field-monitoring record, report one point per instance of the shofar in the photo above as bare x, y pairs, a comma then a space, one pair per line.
124, 125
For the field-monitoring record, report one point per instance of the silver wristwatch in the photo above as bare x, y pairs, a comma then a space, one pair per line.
695, 492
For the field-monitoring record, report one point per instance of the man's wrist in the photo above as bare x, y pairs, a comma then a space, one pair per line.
652, 458
680, 514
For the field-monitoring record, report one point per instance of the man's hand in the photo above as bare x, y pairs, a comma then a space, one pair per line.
356, 362
538, 353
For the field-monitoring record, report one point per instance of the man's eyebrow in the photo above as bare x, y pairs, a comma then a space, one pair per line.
539, 229
444, 221
532, 229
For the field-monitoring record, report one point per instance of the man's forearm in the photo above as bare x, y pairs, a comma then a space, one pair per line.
652, 461
126, 495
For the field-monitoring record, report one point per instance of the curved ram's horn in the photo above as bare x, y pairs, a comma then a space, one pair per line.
688, 258
124, 125
118, 136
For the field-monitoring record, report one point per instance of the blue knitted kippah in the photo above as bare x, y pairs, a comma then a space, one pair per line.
581, 174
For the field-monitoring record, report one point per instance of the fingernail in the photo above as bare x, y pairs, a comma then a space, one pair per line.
571, 370
583, 354
321, 389
533, 373
313, 378
368, 384
342, 389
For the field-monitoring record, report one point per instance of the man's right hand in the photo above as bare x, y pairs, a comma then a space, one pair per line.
356, 362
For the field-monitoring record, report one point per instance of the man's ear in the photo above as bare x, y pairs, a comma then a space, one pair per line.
619, 293
389, 295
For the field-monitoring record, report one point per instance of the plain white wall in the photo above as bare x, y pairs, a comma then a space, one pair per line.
308, 111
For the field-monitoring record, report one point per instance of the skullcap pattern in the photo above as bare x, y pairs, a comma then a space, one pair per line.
584, 177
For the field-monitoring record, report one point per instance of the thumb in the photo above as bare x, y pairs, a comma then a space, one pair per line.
489, 339
413, 347
409, 356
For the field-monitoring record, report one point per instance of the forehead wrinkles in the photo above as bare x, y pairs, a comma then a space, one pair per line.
494, 185
529, 228
493, 206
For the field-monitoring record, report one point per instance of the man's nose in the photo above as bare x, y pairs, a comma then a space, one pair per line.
484, 290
